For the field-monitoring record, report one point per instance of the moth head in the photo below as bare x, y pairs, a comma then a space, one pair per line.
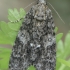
41, 1
40, 12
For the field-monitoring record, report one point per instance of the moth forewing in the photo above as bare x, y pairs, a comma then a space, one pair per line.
35, 43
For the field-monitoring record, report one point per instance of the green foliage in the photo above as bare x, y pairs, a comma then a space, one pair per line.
31, 68
63, 52
15, 15
58, 37
8, 32
4, 58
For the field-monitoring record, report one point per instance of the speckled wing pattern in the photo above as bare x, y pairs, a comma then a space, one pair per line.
35, 43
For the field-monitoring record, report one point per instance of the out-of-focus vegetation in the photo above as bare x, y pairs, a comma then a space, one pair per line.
8, 32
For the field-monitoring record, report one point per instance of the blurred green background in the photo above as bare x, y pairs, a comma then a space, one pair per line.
62, 7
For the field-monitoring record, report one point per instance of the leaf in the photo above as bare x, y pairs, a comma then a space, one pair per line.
31, 68
67, 44
4, 39
56, 29
60, 49
15, 15
4, 27
8, 40
22, 13
12, 37
1, 35
4, 55
58, 37
67, 40
9, 30
14, 26
11, 15
7, 35
58, 65
63, 62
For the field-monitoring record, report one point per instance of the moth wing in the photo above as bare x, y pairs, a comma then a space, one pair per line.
18, 50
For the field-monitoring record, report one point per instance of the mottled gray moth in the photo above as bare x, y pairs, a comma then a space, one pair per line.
35, 43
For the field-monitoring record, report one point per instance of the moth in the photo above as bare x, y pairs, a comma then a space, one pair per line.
35, 43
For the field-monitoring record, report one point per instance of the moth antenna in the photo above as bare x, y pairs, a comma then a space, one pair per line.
56, 12
29, 4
